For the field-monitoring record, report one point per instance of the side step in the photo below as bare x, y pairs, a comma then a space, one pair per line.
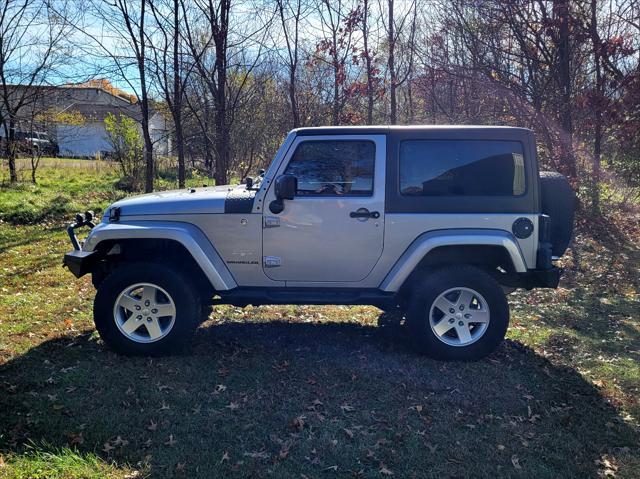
262, 296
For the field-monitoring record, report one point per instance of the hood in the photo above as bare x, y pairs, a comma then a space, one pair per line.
188, 201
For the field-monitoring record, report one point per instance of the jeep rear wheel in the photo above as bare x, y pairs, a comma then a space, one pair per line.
146, 309
458, 313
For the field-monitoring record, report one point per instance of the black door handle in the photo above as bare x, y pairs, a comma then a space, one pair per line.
364, 213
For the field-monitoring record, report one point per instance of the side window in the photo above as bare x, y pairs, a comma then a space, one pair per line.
462, 168
333, 168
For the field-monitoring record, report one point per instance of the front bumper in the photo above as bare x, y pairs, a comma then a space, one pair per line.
80, 262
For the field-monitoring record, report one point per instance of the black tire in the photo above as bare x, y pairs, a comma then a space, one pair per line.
429, 288
175, 283
558, 202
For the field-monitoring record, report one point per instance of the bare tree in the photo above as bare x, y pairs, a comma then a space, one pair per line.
395, 28
563, 78
32, 37
339, 21
369, 54
123, 40
169, 71
214, 36
290, 13
391, 40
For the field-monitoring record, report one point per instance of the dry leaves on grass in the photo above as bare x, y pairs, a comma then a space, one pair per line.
516, 462
385, 471
257, 455
298, 423
345, 408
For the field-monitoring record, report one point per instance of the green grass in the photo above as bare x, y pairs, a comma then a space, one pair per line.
64, 463
318, 391
64, 187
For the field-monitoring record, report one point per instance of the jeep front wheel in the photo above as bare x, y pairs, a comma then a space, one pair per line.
458, 313
145, 309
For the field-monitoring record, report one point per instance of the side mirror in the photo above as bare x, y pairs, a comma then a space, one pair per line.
286, 187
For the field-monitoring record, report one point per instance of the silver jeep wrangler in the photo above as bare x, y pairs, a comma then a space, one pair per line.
435, 222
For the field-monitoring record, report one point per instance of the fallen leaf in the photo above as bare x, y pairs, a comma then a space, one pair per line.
233, 406
284, 453
298, 423
348, 432
120, 442
257, 455
171, 441
152, 425
75, 438
347, 408
107, 448
218, 389
225, 457
385, 471
516, 462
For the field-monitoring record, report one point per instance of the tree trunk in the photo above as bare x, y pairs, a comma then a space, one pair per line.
292, 96
392, 66
10, 148
146, 135
368, 62
292, 50
597, 105
144, 104
11, 157
222, 133
561, 8
177, 95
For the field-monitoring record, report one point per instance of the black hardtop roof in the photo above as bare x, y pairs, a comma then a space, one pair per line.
389, 129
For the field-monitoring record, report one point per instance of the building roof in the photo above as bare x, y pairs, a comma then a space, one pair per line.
92, 102
98, 112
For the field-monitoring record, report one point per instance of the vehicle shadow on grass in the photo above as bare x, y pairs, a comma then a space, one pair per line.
281, 399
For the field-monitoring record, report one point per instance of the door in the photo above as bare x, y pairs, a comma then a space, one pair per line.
333, 229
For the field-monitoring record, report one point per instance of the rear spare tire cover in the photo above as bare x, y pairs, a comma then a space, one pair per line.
558, 202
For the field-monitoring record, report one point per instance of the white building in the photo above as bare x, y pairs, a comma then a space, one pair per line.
89, 138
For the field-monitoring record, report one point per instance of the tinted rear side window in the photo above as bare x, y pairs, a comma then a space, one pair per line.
333, 168
461, 168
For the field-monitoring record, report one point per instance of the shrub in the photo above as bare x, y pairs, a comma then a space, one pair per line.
127, 145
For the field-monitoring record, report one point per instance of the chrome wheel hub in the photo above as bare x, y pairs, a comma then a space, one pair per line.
459, 316
144, 312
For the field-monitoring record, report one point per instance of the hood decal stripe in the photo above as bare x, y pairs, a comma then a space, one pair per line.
239, 200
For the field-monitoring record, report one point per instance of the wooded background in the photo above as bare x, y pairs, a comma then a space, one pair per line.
236, 76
